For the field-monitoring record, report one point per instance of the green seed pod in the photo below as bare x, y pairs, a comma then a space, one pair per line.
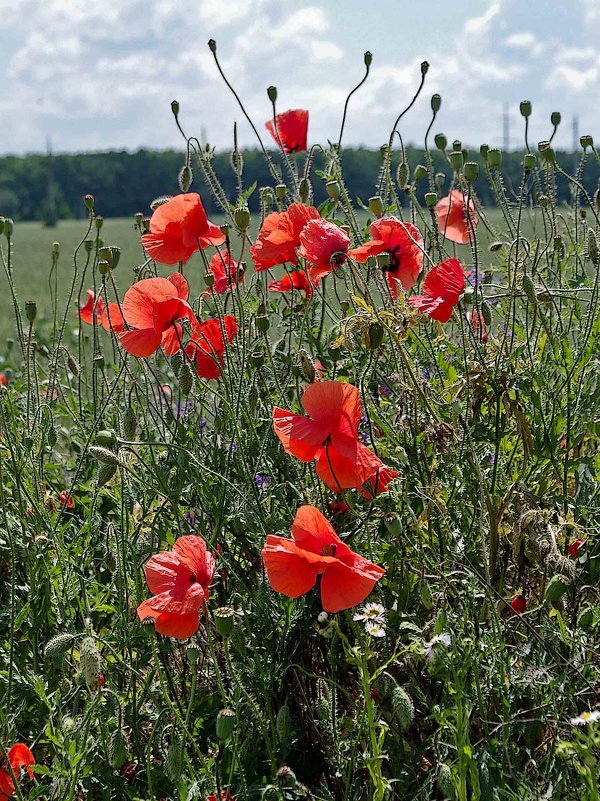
186, 379
556, 588
368, 57
241, 217
307, 366
402, 175
441, 142
129, 424
420, 173
457, 145
376, 206
98, 222
555, 118
525, 108
529, 289
304, 190
436, 102
471, 171
175, 107
225, 723
280, 192
383, 261
105, 473
1, 225
402, 707
284, 723
262, 323
333, 190
529, 161
456, 160
107, 438
424, 68
90, 662
494, 157
345, 307
118, 750
73, 365
543, 201
444, 781
586, 141
185, 177
483, 151
272, 93
440, 180
30, 310
9, 227
224, 618
69, 726
103, 455
486, 312
256, 358
592, 247
89, 202
431, 200
393, 524
547, 152
57, 647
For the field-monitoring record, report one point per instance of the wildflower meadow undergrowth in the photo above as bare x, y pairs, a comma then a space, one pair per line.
327, 528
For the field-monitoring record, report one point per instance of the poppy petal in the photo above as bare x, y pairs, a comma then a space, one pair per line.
180, 284
112, 318
141, 343
339, 472
290, 571
311, 531
171, 339
181, 627
328, 401
342, 587
299, 436
140, 299
20, 756
161, 572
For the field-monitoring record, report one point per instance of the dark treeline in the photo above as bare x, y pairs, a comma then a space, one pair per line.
124, 183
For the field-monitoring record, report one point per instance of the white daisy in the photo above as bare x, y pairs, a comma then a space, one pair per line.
436, 643
374, 629
375, 612
586, 717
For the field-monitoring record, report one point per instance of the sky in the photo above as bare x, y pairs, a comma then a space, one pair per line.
101, 75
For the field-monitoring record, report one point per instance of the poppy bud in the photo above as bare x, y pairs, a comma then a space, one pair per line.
9, 227
72, 365
393, 524
90, 662
30, 310
262, 323
333, 190
424, 67
440, 141
374, 336
420, 172
304, 190
174, 760
556, 588
307, 366
368, 58
456, 159
105, 473
241, 217
431, 199
376, 206
225, 723
484, 150
99, 221
272, 94
440, 180
118, 751
57, 647
518, 604
494, 157
436, 102
555, 118
383, 260
280, 191
345, 306
103, 455
559, 247
486, 312
402, 175
529, 289
212, 46
129, 424
186, 379
402, 707
525, 108
185, 177
471, 171
175, 107
107, 438
224, 618
256, 358
286, 778
444, 781
592, 247
586, 141
529, 161
89, 202
283, 723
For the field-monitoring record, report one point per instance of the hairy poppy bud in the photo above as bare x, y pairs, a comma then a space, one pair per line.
456, 159
307, 366
424, 67
333, 189
89, 202
525, 108
57, 647
107, 438
105, 473
586, 141
440, 141
402, 707
272, 93
486, 312
444, 781
304, 190
471, 171
186, 379
494, 157
376, 206
90, 662
283, 723
129, 424
225, 723
431, 199
420, 172
368, 57
484, 150
555, 118
402, 175
592, 247
241, 217
118, 751
212, 46
280, 191
185, 177
175, 107
103, 455
529, 161
529, 289
72, 365
30, 310
224, 618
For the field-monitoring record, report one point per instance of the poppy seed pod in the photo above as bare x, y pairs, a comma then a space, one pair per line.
543, 201
280, 191
212, 46
1, 225
286, 778
440, 141
529, 161
555, 118
304, 190
175, 107
431, 199
224, 618
420, 172
368, 57
107, 438
374, 336
105, 473
30, 310
9, 227
262, 323
185, 177
457, 145
484, 150
333, 190
456, 160
99, 221
272, 93
393, 524
256, 358
525, 108
376, 206
89, 202
424, 67
586, 141
494, 157
383, 260
436, 102
225, 723
241, 217
440, 180
547, 152
471, 171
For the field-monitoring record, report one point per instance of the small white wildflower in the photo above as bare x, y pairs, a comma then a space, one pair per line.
374, 629
586, 717
375, 612
435, 643
322, 617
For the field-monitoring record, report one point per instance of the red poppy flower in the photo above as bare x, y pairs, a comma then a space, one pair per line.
226, 272
292, 130
279, 236
478, 324
316, 550
338, 508
442, 288
112, 319
324, 245
179, 581
3, 380
179, 228
86, 312
207, 346
66, 500
329, 434
151, 307
225, 796
518, 604
297, 279
452, 217
19, 756
575, 547
404, 244
378, 482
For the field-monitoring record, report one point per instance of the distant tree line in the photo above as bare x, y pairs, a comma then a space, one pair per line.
38, 187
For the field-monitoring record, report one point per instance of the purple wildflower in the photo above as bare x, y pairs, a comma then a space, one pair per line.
263, 480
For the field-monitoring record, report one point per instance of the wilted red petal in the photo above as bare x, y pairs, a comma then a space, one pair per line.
294, 280
452, 217
324, 245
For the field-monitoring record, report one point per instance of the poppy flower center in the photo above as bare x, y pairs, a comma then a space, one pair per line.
328, 550
193, 579
395, 255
